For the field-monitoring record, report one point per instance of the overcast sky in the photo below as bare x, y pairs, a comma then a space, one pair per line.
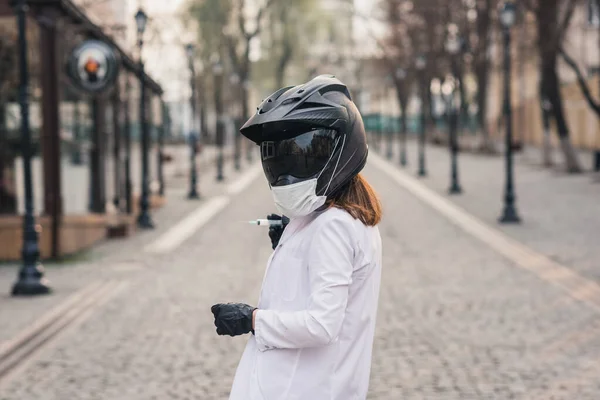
164, 40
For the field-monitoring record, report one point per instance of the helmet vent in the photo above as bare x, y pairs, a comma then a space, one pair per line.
311, 105
290, 101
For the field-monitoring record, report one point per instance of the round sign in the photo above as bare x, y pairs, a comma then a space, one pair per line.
93, 66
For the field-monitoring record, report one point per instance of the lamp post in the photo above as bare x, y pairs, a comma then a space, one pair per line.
127, 166
546, 144
218, 75
144, 220
77, 158
377, 124
31, 279
448, 90
379, 132
245, 89
388, 126
509, 213
161, 144
453, 46
401, 76
116, 110
193, 194
420, 64
234, 79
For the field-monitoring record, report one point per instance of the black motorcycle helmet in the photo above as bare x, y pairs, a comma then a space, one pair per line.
307, 130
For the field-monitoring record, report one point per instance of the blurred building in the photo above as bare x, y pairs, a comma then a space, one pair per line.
582, 43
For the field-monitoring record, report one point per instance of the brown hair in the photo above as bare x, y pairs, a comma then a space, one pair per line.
359, 199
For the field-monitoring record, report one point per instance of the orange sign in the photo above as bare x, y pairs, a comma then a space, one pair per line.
92, 66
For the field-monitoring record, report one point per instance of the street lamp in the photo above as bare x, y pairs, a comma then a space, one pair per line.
218, 75
509, 213
420, 64
508, 14
193, 194
246, 86
546, 144
453, 47
127, 163
144, 220
141, 19
31, 279
234, 79
378, 143
401, 76
163, 132
388, 126
77, 158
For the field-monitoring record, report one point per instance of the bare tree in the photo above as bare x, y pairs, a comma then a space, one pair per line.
286, 51
292, 27
208, 17
581, 81
481, 42
415, 29
594, 104
553, 18
239, 39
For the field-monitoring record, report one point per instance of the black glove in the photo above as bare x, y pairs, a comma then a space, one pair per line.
275, 231
233, 318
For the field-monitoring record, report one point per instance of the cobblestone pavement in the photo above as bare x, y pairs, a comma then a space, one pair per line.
106, 259
560, 212
456, 320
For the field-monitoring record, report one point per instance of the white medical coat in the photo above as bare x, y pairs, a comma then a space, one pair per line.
316, 320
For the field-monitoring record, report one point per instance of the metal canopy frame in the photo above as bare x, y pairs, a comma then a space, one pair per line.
76, 16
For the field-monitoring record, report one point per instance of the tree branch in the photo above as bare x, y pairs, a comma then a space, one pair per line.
259, 17
583, 86
566, 21
242, 19
235, 60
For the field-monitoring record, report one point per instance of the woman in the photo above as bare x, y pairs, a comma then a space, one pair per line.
312, 333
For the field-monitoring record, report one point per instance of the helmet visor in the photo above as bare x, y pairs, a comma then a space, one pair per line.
302, 156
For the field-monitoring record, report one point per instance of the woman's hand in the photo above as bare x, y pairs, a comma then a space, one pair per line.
275, 231
233, 318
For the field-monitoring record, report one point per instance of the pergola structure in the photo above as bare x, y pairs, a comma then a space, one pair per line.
55, 27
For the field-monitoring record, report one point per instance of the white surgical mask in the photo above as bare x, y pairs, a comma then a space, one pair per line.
298, 199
